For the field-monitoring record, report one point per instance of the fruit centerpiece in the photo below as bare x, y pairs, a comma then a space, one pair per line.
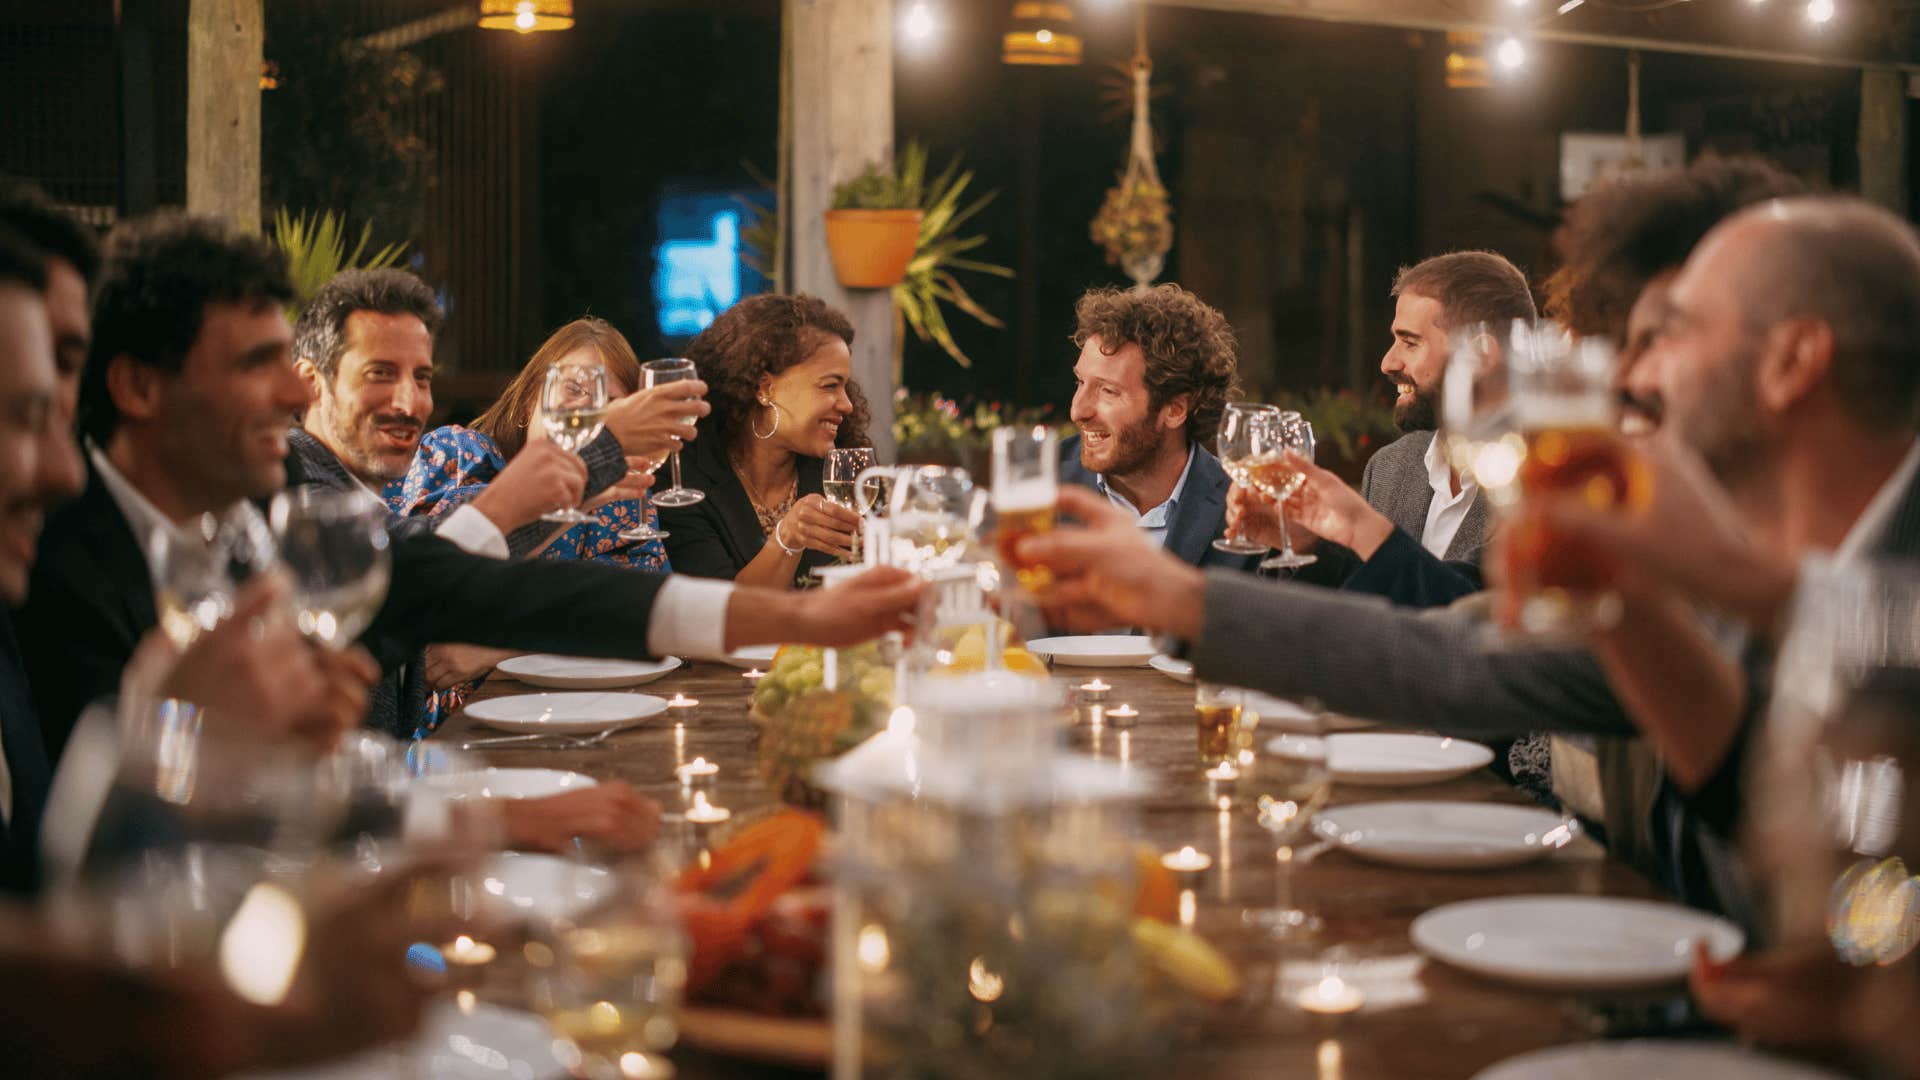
803, 723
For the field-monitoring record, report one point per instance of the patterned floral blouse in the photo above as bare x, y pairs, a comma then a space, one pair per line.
456, 463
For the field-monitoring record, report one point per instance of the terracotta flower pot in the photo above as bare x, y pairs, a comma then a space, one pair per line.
871, 248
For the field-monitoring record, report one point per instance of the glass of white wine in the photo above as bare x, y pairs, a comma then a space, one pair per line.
573, 410
1289, 781
334, 545
609, 980
198, 567
659, 373
936, 515
1278, 480
840, 481
1246, 432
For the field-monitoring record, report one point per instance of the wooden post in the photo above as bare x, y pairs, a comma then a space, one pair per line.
839, 108
225, 39
1883, 138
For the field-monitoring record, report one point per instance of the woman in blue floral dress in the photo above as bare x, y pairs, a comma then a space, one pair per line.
456, 462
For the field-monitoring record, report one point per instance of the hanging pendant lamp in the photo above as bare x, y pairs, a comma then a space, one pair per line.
526, 16
1042, 33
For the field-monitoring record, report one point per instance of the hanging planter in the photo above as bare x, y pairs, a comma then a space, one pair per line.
1135, 223
871, 249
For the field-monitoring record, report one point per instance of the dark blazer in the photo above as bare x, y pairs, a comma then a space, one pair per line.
28, 767
1402, 570
1197, 521
719, 535
92, 600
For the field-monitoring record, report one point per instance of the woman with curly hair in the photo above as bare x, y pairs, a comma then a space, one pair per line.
779, 373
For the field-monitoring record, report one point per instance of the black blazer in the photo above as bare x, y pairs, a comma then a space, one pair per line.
27, 765
1200, 518
719, 535
92, 600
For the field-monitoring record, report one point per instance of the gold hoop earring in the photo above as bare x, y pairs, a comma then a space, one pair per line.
754, 424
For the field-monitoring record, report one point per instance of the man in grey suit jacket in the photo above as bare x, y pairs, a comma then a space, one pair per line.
1154, 372
1817, 300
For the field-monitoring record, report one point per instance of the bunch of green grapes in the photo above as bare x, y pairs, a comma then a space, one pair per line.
799, 670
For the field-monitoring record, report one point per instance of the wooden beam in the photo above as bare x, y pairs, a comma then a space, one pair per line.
224, 54
839, 107
1883, 139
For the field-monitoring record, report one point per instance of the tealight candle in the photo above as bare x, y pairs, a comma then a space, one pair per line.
754, 675
1094, 690
1188, 862
703, 812
681, 705
1122, 715
1331, 996
467, 953
697, 772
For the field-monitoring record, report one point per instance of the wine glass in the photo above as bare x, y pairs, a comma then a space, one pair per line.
1280, 482
608, 979
1026, 484
573, 410
659, 373
1290, 782
334, 544
935, 515
1245, 434
198, 568
840, 481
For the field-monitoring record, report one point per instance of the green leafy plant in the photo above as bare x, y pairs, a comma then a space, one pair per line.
930, 280
1348, 426
880, 188
316, 250
930, 429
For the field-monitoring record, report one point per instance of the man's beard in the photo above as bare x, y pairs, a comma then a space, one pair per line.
1133, 449
357, 454
1724, 426
1418, 411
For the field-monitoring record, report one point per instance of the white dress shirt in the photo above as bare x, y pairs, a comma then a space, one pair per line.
1448, 510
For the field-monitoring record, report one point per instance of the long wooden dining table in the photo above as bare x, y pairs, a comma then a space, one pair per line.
1423, 1019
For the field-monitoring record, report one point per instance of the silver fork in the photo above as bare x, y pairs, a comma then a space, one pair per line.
541, 740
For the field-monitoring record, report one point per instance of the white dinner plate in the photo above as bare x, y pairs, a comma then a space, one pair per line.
489, 1043
1177, 670
1652, 1059
585, 673
521, 885
566, 713
1574, 942
753, 656
1096, 650
1445, 835
514, 783
1372, 759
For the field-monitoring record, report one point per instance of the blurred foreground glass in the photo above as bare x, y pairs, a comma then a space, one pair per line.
573, 411
935, 516
659, 373
1216, 712
1276, 478
334, 544
198, 566
608, 977
1528, 413
1248, 434
1835, 814
1288, 781
1026, 484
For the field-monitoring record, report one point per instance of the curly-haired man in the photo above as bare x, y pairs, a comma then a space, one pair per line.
1155, 369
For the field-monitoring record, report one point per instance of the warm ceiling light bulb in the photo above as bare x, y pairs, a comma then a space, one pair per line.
1820, 11
1512, 55
919, 22
1044, 37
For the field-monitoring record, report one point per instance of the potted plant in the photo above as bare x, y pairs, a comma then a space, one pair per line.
316, 250
873, 228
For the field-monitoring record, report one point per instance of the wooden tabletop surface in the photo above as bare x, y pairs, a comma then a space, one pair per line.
1432, 1021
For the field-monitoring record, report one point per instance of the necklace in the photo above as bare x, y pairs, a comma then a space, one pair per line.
768, 512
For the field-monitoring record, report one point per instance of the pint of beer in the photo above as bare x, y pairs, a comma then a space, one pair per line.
1026, 483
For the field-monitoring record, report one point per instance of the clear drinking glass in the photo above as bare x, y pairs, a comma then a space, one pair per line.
1026, 484
573, 410
644, 531
1279, 481
658, 373
198, 568
1246, 432
1289, 782
840, 482
334, 545
609, 979
1216, 713
936, 515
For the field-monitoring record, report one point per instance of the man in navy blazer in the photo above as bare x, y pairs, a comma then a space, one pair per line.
1155, 369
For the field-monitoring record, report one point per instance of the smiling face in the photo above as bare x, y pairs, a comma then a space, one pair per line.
1120, 433
1640, 405
1417, 361
1701, 364
39, 461
372, 411
811, 398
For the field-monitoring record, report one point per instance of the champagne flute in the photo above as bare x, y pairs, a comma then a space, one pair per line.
840, 481
1278, 480
1026, 484
1245, 434
658, 373
334, 544
573, 409
1290, 782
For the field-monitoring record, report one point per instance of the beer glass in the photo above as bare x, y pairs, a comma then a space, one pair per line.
573, 410
1216, 714
1026, 483
655, 373
1246, 432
